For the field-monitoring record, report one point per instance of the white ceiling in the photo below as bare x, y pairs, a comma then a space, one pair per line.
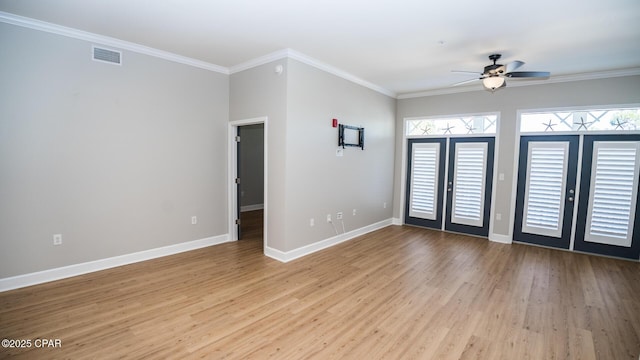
401, 45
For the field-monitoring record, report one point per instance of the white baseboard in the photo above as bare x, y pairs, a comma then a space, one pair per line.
275, 254
503, 239
286, 256
40, 277
251, 207
396, 221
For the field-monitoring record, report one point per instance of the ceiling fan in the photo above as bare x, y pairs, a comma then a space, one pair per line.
493, 76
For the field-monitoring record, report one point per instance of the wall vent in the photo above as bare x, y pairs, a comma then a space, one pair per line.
107, 55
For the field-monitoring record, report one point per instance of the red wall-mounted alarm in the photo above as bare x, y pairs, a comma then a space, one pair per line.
335, 123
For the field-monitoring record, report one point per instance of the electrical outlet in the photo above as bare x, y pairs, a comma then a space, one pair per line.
498, 216
57, 239
194, 220
339, 216
384, 205
312, 222
328, 218
354, 212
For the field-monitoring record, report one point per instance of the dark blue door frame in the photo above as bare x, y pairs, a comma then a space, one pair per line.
468, 229
632, 252
518, 235
437, 223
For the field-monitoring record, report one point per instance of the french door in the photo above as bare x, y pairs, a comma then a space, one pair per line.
425, 182
467, 189
608, 210
546, 190
608, 196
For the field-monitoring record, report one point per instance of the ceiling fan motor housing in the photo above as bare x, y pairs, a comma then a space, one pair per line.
494, 69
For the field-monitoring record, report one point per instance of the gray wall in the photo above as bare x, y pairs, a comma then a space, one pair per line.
622, 90
305, 178
252, 164
257, 92
319, 182
115, 158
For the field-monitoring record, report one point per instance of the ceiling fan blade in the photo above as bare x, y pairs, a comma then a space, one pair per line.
503, 69
466, 82
528, 74
513, 65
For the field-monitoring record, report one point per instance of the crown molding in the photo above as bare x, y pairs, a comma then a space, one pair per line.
105, 40
265, 59
441, 91
551, 80
292, 54
337, 72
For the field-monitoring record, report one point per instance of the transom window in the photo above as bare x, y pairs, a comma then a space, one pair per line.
454, 125
621, 119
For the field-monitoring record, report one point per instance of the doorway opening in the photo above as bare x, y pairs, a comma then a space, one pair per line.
250, 170
248, 209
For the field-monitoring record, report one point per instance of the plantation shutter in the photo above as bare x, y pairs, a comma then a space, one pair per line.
424, 180
546, 181
469, 184
613, 192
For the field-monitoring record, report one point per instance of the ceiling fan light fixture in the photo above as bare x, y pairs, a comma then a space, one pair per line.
493, 82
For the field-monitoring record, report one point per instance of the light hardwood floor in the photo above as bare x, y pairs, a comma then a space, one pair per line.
397, 293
